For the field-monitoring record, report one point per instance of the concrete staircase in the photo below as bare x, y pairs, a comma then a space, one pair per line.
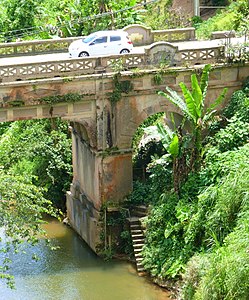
137, 241
137, 234
139, 211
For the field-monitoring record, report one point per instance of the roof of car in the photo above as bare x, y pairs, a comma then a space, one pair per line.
109, 32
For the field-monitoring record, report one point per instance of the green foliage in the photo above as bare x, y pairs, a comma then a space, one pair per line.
238, 105
234, 130
186, 148
203, 233
151, 120
35, 19
126, 243
140, 194
22, 208
160, 15
42, 149
224, 273
227, 19
71, 98
234, 135
19, 15
120, 87
144, 156
200, 220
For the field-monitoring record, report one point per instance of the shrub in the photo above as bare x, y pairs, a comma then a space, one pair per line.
224, 273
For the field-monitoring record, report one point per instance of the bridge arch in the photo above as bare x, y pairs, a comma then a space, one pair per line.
142, 108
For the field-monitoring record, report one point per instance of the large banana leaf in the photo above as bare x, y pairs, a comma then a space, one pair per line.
218, 100
174, 146
204, 81
176, 99
197, 95
190, 103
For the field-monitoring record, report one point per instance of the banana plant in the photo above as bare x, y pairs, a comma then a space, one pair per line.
192, 106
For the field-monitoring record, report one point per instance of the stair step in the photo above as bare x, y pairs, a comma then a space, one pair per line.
139, 259
134, 231
138, 241
133, 219
139, 213
137, 235
134, 225
136, 228
141, 270
138, 245
138, 249
141, 207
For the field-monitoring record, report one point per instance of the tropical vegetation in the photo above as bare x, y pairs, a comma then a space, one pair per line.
35, 19
198, 232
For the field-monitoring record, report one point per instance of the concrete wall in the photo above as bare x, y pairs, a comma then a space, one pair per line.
185, 7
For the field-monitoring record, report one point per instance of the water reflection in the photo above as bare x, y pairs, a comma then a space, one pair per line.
74, 272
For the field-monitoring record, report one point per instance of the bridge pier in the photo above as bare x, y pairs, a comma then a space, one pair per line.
99, 177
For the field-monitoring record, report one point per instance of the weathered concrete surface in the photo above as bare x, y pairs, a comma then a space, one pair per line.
185, 7
102, 131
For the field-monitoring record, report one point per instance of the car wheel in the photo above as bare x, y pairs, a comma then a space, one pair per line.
124, 51
83, 54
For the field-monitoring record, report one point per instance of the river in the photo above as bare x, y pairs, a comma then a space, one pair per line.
74, 272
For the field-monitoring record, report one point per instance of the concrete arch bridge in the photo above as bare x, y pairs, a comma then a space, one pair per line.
104, 115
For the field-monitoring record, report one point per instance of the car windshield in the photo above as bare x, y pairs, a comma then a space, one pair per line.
89, 38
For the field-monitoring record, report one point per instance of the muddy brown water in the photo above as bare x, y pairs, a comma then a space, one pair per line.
74, 272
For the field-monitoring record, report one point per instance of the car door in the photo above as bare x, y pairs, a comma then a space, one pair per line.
99, 46
115, 44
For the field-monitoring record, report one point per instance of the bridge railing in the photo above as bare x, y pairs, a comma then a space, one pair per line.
154, 56
35, 47
140, 35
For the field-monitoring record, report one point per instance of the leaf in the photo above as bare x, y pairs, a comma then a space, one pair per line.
190, 103
204, 80
218, 100
174, 98
197, 96
165, 133
174, 146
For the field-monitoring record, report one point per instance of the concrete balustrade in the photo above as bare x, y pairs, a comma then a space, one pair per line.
140, 35
153, 57
35, 47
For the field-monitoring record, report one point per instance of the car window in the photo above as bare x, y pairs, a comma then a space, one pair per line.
89, 38
115, 38
100, 40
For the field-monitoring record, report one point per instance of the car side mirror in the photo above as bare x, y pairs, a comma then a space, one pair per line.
93, 43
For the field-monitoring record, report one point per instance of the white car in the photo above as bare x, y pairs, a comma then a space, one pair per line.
101, 43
